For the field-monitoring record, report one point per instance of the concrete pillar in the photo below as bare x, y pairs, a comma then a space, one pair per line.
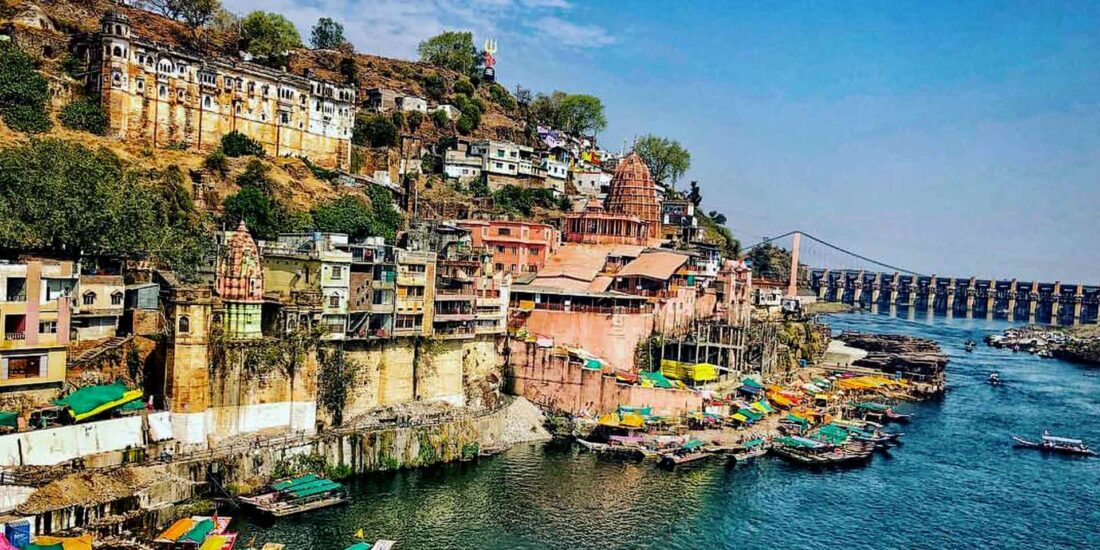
894, 289
1078, 299
823, 285
930, 299
1012, 300
792, 285
990, 299
970, 292
876, 288
950, 297
1056, 303
857, 292
1033, 300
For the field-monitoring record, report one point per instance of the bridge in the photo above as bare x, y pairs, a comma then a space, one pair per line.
835, 274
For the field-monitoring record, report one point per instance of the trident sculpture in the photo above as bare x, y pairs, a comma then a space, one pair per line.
489, 52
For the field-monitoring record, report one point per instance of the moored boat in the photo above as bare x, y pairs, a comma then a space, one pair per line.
296, 495
1052, 444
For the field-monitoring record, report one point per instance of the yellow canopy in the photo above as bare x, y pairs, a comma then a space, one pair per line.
213, 542
633, 420
83, 542
739, 416
177, 530
610, 419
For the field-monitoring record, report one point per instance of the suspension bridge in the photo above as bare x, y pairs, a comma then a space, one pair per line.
836, 274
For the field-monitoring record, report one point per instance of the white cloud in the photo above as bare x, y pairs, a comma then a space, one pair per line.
393, 28
565, 33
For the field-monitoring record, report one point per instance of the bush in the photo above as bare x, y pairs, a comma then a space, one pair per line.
502, 97
217, 162
398, 119
415, 119
374, 130
463, 86
255, 175
465, 124
434, 86
440, 118
236, 144
23, 92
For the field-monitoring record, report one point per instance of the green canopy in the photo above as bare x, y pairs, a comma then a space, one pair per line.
359, 546
33, 546
9, 419
692, 445
751, 382
791, 442
288, 483
644, 411
659, 380
316, 488
752, 443
878, 407
91, 400
753, 415
198, 533
799, 420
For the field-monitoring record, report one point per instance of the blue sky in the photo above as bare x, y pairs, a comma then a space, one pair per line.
946, 137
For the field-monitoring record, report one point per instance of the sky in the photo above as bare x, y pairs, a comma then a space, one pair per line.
956, 138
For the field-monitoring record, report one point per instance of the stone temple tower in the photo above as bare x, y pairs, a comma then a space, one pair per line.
633, 193
239, 282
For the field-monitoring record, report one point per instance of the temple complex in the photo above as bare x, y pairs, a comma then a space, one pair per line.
632, 215
239, 282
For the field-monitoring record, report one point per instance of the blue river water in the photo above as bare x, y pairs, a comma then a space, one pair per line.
957, 482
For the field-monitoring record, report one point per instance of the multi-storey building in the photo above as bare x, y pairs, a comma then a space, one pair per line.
160, 96
98, 304
414, 293
307, 275
36, 313
372, 300
517, 246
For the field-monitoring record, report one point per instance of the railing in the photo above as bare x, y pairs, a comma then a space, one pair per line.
15, 335
617, 310
410, 305
411, 278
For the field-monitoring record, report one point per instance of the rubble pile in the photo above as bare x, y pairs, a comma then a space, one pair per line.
1080, 345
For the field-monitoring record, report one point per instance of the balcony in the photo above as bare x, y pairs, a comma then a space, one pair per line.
382, 308
493, 329
15, 335
450, 316
411, 279
406, 305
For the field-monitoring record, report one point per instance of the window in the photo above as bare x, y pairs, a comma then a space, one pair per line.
141, 85
284, 117
500, 153
498, 165
89, 298
24, 367
206, 102
116, 299
185, 325
500, 249
17, 289
117, 52
47, 327
162, 92
334, 300
165, 66
504, 231
337, 272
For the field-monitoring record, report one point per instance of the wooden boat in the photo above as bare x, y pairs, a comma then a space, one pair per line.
296, 495
1051, 444
594, 446
747, 455
675, 459
897, 417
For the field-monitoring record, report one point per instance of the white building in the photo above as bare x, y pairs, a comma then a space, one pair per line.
592, 182
452, 112
411, 103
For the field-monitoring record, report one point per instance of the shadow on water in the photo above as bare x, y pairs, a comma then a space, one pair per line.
956, 483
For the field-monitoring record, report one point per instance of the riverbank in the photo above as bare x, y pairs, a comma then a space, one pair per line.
1079, 344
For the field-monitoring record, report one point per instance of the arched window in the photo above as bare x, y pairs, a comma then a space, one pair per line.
165, 66
206, 102
185, 324
89, 298
162, 92
117, 52
116, 298
118, 29
116, 80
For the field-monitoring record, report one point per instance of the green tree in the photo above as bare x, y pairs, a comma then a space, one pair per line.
269, 35
349, 69
263, 215
440, 118
581, 114
463, 86
236, 144
23, 93
85, 115
196, 13
327, 34
415, 119
452, 50
435, 87
667, 159
387, 218
374, 130
347, 214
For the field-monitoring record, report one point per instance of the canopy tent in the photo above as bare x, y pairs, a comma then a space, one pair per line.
83, 542
692, 445
9, 419
875, 407
656, 379
797, 442
797, 419
92, 400
752, 443
359, 546
176, 530
198, 532
292, 482
644, 411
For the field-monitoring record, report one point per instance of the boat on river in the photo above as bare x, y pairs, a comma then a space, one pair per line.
295, 495
1052, 444
750, 450
994, 379
970, 345
691, 451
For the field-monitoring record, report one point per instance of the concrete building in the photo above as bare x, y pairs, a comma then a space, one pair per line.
516, 246
99, 302
381, 99
415, 293
410, 103
160, 97
556, 173
678, 221
36, 315
460, 164
307, 275
592, 182
372, 300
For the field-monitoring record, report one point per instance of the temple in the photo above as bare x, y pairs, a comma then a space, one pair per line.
240, 285
632, 215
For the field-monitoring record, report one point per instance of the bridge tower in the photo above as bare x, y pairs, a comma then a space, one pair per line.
951, 298
857, 290
1012, 300
792, 285
1078, 300
1056, 303
823, 286
990, 299
1032, 301
930, 296
970, 292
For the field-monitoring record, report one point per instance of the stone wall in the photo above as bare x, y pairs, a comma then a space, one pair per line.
611, 337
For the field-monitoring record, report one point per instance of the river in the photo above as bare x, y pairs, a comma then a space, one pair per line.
957, 482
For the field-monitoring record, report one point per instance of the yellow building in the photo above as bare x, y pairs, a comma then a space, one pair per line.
36, 312
167, 97
309, 277
415, 292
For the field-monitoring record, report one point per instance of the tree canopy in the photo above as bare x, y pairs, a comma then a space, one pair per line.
269, 35
666, 158
64, 198
452, 50
574, 113
23, 93
327, 34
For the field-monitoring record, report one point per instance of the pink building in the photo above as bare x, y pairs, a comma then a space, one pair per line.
517, 246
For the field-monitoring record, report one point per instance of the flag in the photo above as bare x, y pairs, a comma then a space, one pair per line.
359, 534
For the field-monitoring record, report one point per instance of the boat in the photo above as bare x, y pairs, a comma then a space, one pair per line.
751, 449
970, 345
378, 545
994, 379
197, 532
689, 452
295, 495
1052, 444
897, 417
